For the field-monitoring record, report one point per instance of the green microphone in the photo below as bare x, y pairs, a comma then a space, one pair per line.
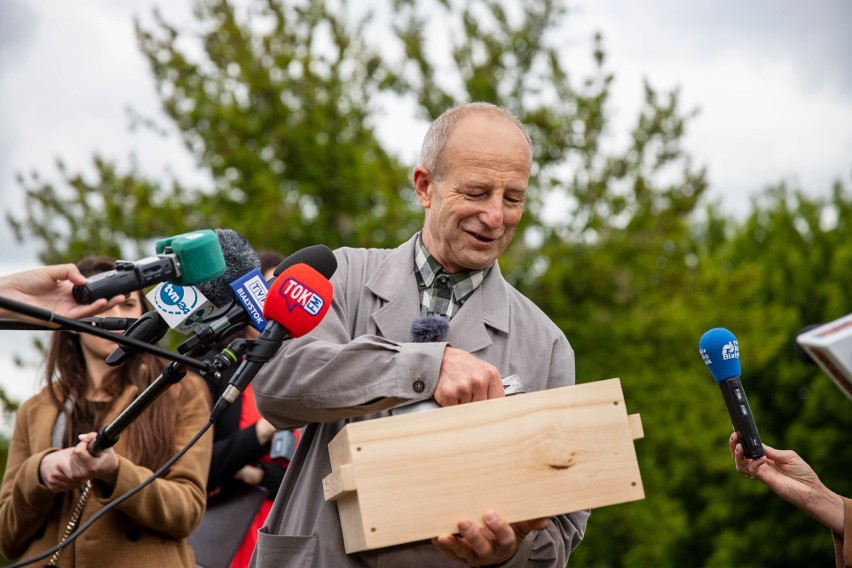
186, 259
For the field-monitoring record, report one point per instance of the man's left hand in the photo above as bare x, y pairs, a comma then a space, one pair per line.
495, 543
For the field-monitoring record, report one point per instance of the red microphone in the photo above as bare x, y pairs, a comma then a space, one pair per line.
298, 299
295, 304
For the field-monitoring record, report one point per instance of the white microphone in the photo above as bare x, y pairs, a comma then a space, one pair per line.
182, 307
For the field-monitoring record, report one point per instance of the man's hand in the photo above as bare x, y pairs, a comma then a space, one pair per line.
464, 378
49, 288
495, 543
69, 468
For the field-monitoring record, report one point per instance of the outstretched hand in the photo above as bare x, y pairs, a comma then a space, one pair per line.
49, 288
792, 479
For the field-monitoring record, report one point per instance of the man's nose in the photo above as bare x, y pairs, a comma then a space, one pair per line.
492, 212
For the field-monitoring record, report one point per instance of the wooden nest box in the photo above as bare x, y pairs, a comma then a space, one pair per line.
413, 477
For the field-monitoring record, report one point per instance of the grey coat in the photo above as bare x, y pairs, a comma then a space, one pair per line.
357, 364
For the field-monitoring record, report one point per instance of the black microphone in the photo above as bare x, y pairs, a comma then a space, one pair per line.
239, 258
235, 315
108, 323
62, 322
297, 302
318, 257
721, 353
185, 259
150, 328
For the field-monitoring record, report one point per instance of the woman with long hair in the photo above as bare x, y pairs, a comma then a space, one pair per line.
52, 483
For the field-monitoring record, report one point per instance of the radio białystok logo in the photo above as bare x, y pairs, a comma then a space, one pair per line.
731, 350
297, 294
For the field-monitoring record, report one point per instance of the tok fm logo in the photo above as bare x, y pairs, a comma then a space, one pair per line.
297, 294
731, 350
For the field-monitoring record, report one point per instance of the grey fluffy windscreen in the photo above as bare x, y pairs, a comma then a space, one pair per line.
430, 329
240, 258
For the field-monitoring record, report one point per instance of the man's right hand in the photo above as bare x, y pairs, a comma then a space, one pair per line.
464, 378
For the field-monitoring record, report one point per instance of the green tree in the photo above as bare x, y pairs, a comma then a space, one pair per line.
784, 267
278, 102
278, 110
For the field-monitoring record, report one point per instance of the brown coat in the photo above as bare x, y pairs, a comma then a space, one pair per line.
149, 529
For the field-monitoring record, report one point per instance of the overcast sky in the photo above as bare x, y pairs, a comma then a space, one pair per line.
771, 79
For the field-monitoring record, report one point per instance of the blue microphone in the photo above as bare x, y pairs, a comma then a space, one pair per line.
721, 353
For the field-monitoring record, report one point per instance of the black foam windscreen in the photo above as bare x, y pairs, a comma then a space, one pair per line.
318, 257
430, 329
240, 258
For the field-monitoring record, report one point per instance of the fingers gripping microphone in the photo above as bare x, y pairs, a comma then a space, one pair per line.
185, 259
297, 302
721, 353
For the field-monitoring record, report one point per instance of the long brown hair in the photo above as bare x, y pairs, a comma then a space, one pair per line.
149, 438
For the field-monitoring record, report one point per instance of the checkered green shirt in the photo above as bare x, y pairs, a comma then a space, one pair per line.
441, 293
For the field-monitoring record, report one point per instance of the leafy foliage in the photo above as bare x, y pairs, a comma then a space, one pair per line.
277, 103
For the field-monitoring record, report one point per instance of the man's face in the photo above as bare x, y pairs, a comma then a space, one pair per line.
472, 213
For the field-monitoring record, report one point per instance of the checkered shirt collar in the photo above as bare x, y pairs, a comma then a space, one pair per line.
429, 270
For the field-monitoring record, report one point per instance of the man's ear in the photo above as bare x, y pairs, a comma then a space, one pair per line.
422, 182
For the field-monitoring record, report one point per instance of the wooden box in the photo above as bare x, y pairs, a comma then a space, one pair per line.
413, 477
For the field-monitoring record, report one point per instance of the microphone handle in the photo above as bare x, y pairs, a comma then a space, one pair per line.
108, 435
741, 417
126, 277
261, 350
109, 323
